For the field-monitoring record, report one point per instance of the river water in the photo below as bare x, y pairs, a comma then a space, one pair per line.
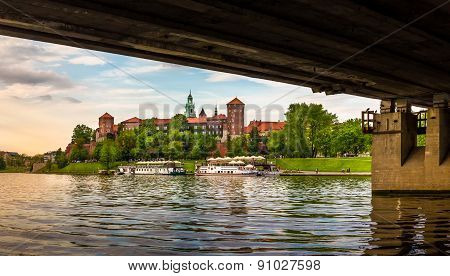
187, 215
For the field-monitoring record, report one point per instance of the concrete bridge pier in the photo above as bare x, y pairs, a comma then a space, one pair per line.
398, 164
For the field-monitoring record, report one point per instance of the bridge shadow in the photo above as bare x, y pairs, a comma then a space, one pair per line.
410, 225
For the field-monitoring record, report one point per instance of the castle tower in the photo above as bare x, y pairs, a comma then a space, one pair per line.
105, 124
190, 106
235, 117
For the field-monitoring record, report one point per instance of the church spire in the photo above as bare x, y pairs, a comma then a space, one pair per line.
215, 111
190, 106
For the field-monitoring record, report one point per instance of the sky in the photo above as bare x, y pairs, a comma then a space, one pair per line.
47, 89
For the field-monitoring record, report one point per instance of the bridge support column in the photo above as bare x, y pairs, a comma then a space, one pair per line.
398, 165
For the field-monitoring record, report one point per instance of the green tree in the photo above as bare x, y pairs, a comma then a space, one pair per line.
2, 164
98, 148
324, 142
126, 143
348, 138
82, 134
253, 141
60, 159
108, 154
276, 143
295, 131
317, 120
173, 150
178, 122
238, 146
78, 153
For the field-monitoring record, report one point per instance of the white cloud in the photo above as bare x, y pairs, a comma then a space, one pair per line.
87, 60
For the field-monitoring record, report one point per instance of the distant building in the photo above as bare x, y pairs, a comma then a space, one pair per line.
264, 127
162, 124
106, 128
130, 124
235, 119
220, 125
50, 156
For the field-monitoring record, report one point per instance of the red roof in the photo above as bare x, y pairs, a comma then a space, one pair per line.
235, 101
132, 120
199, 120
159, 122
107, 116
264, 126
220, 117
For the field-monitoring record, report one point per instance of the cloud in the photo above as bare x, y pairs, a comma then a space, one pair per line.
46, 98
71, 100
23, 75
87, 60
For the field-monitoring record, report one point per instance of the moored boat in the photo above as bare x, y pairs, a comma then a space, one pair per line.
237, 166
153, 168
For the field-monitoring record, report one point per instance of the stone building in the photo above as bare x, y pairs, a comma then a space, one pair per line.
106, 128
264, 127
130, 124
235, 118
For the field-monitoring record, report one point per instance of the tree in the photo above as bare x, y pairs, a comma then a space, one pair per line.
178, 122
317, 120
295, 131
82, 134
60, 159
253, 141
2, 164
98, 148
173, 150
126, 143
108, 154
348, 138
78, 153
238, 146
276, 143
324, 142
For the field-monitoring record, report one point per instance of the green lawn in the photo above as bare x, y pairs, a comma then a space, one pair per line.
15, 170
82, 168
92, 168
356, 164
189, 165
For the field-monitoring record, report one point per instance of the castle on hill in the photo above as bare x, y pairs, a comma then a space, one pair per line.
220, 125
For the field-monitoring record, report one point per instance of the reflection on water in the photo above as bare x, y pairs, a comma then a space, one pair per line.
145, 215
410, 226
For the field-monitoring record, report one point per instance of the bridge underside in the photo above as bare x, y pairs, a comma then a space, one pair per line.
315, 43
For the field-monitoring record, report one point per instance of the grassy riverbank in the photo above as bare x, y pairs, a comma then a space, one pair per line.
356, 164
15, 170
94, 167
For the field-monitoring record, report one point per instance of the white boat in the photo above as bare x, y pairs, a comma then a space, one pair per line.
154, 168
223, 167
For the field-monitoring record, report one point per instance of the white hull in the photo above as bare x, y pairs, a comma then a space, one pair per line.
150, 170
212, 170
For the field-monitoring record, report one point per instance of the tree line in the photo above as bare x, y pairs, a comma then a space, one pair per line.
310, 131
